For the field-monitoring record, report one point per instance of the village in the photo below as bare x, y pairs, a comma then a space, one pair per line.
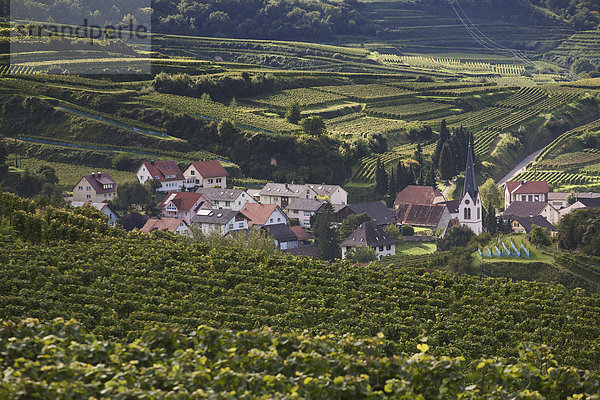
198, 201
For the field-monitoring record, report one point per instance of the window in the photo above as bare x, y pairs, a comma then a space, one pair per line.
216, 202
89, 196
380, 248
227, 203
467, 213
388, 247
240, 225
218, 180
192, 172
271, 220
80, 188
104, 195
478, 213
530, 198
307, 213
231, 226
295, 211
278, 219
87, 188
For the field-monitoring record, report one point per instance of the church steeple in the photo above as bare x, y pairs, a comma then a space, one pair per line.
470, 183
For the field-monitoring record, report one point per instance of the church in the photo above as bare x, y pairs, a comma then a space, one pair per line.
470, 211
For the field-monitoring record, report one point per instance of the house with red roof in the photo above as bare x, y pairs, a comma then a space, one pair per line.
184, 205
166, 172
174, 225
96, 188
205, 174
264, 214
424, 195
531, 191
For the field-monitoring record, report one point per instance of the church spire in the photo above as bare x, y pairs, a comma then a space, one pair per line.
470, 183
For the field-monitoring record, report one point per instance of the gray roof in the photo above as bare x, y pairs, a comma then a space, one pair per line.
525, 208
221, 194
528, 222
283, 189
590, 202
376, 210
281, 232
220, 217
324, 190
305, 204
367, 234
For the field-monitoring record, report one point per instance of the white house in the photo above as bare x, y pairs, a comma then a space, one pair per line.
531, 191
303, 209
184, 205
282, 193
95, 188
527, 209
105, 208
221, 221
231, 199
264, 214
469, 208
367, 234
334, 193
166, 172
206, 174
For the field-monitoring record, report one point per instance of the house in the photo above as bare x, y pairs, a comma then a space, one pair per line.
255, 194
173, 225
304, 238
581, 203
432, 216
282, 193
303, 209
452, 206
469, 207
525, 209
377, 210
558, 199
264, 214
413, 194
371, 235
334, 193
184, 205
221, 221
524, 224
104, 208
283, 236
233, 199
95, 188
206, 174
166, 172
532, 191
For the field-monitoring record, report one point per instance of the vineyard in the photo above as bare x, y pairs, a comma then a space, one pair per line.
558, 178
452, 64
365, 126
213, 363
367, 92
304, 97
412, 111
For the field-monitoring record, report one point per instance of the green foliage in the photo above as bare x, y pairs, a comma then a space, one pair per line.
133, 192
457, 236
326, 236
381, 179
580, 230
446, 166
361, 254
168, 363
350, 223
313, 125
539, 236
394, 231
491, 194
122, 162
407, 230
293, 114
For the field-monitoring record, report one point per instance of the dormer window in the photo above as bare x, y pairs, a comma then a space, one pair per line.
171, 207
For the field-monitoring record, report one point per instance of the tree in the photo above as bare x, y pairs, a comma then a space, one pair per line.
491, 194
402, 178
225, 129
580, 230
313, 125
132, 221
458, 236
407, 230
133, 192
393, 231
326, 236
352, 222
3, 166
418, 155
430, 177
381, 179
446, 164
48, 174
122, 162
444, 136
539, 236
293, 114
490, 223
361, 254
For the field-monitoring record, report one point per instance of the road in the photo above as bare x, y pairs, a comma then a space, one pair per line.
520, 167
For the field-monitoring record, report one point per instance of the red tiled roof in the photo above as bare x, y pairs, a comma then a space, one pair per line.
301, 233
184, 201
527, 187
164, 171
210, 169
97, 181
421, 214
417, 195
161, 224
258, 213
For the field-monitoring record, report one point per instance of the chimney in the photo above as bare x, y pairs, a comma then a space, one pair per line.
152, 162
93, 175
99, 175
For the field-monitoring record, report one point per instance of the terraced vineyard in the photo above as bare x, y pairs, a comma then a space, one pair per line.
451, 64
571, 160
304, 97
413, 111
558, 178
365, 126
367, 92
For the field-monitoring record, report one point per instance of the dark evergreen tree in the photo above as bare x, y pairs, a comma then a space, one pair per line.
430, 178
381, 179
490, 223
418, 156
392, 191
293, 114
402, 179
444, 136
446, 164
326, 236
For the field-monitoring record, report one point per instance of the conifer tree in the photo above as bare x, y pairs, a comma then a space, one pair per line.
326, 236
392, 191
293, 114
401, 176
446, 164
430, 178
444, 136
418, 156
381, 179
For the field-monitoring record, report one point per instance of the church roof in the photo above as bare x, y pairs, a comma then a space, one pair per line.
470, 183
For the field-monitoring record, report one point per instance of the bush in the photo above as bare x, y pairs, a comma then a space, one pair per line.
458, 236
361, 254
539, 236
407, 230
